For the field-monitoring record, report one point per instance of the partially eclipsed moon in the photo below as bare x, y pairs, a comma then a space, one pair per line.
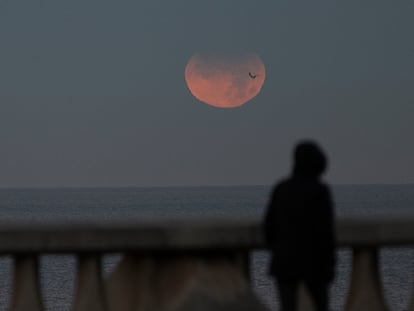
223, 81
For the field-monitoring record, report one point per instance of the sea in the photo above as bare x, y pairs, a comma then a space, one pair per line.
108, 205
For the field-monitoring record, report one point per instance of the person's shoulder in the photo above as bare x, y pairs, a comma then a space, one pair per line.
281, 187
282, 184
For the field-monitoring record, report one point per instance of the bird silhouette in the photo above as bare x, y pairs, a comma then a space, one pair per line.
252, 76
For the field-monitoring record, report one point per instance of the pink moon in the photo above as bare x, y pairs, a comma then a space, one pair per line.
225, 81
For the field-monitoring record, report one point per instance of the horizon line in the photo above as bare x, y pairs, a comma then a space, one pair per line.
191, 186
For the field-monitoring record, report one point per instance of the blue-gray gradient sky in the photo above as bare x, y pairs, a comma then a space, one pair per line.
93, 93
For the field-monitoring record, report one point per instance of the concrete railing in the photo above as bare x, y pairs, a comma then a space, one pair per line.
183, 265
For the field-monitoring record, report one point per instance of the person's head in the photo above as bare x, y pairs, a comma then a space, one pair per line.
309, 160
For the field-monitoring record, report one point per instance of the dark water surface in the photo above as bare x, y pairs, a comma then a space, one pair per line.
146, 204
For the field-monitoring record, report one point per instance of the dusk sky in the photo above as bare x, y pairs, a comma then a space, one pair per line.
93, 92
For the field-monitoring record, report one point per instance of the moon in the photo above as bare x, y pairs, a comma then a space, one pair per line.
225, 81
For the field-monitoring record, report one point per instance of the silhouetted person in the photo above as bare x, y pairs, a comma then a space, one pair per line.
299, 228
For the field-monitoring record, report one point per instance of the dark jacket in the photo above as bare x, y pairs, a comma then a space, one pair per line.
299, 228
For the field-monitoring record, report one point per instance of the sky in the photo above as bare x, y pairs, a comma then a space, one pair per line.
92, 92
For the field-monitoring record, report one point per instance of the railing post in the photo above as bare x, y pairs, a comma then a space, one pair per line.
366, 291
242, 260
305, 302
90, 294
129, 285
26, 294
411, 305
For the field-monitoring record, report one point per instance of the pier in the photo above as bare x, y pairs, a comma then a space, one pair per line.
187, 265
